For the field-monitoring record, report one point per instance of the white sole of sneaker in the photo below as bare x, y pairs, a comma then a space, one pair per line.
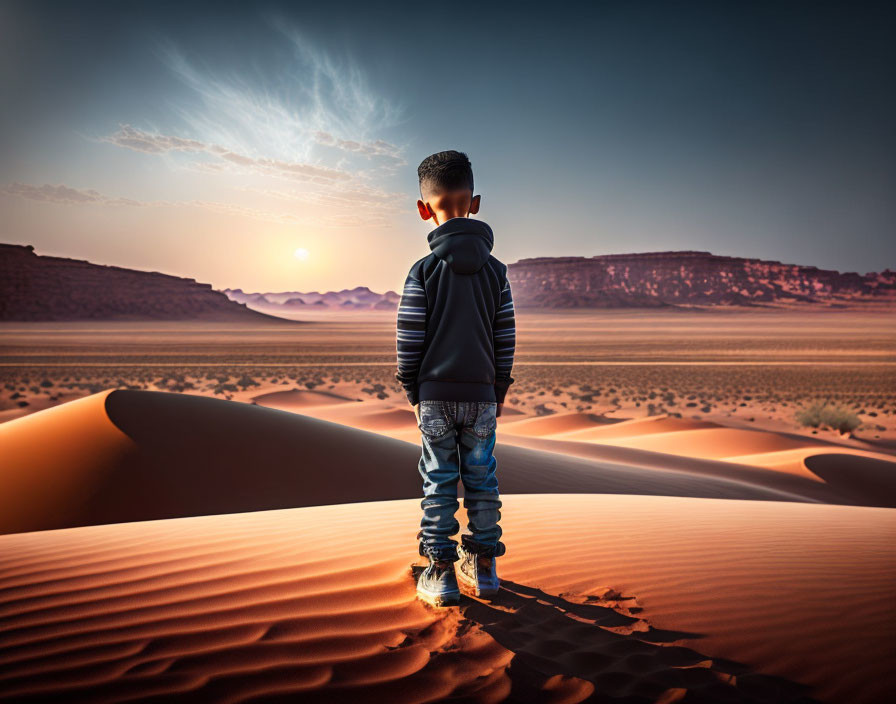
439, 600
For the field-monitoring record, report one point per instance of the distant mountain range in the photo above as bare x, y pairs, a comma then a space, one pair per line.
34, 287
348, 299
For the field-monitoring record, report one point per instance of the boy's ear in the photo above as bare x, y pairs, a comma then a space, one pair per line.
424, 210
474, 205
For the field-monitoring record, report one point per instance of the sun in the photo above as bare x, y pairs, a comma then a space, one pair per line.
301, 254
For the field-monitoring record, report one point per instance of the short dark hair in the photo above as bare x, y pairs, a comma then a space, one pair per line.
445, 171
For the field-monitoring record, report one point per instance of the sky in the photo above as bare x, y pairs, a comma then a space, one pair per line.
273, 146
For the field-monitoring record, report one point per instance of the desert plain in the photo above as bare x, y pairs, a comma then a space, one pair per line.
698, 506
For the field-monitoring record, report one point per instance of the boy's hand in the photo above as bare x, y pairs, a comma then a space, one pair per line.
498, 410
417, 412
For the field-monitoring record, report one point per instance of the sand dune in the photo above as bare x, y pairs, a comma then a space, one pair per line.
634, 427
137, 455
144, 455
663, 592
709, 443
662, 434
663, 444
52, 463
295, 399
627, 596
557, 424
680, 557
374, 415
756, 456
856, 474
688, 438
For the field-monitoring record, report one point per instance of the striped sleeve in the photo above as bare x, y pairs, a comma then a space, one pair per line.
410, 334
504, 331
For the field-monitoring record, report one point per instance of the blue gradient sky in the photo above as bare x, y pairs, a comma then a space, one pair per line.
213, 140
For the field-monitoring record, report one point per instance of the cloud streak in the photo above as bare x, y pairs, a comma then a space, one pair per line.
346, 199
138, 140
379, 147
359, 207
64, 194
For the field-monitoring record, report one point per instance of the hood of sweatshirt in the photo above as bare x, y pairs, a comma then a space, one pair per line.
463, 243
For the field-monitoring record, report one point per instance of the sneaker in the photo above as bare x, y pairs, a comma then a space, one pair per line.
437, 584
477, 568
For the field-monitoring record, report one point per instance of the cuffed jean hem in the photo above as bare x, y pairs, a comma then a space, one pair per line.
484, 549
447, 553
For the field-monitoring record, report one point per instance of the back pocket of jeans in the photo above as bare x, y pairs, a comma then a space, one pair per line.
433, 422
486, 419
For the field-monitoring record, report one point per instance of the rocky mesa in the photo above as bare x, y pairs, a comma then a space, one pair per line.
689, 279
35, 287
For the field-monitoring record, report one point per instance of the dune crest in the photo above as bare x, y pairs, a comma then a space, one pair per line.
296, 399
52, 462
147, 455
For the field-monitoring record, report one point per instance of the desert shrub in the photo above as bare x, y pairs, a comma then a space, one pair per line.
828, 415
246, 381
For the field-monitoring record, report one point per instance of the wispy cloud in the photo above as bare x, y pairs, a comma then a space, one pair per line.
376, 148
316, 123
360, 207
149, 143
336, 98
141, 141
64, 194
315, 99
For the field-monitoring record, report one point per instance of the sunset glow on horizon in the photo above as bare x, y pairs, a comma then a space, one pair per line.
204, 141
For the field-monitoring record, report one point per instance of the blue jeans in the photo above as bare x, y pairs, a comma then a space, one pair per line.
458, 440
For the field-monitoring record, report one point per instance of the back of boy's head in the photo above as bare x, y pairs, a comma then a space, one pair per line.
444, 172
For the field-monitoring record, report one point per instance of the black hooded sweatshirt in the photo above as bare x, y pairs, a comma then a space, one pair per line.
456, 331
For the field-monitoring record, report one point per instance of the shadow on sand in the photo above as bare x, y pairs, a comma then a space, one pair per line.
602, 641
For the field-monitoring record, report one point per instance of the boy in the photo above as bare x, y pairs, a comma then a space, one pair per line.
455, 342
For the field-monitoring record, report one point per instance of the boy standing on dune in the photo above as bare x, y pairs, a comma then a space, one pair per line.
455, 341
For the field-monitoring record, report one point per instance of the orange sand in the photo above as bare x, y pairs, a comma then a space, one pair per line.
657, 559
302, 601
